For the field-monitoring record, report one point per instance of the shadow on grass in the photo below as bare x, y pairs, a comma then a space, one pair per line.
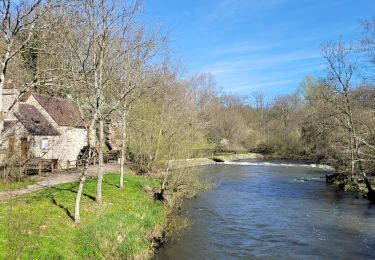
111, 184
70, 189
62, 207
51, 192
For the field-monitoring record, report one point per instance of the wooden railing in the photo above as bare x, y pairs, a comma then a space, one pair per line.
39, 165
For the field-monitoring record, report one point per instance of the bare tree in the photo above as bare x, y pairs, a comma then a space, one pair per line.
341, 71
131, 83
19, 22
260, 106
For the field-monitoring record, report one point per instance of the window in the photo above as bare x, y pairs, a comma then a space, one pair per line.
44, 145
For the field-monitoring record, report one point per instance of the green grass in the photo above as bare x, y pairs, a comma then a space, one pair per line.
4, 186
38, 226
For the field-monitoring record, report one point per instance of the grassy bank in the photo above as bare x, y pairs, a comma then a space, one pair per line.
39, 226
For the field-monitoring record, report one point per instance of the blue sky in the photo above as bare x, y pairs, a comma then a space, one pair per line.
262, 45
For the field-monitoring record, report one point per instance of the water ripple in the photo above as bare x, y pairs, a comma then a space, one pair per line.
312, 165
279, 212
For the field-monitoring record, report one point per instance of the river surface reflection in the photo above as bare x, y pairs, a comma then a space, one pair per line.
259, 211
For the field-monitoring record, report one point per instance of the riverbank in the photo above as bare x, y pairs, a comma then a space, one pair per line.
39, 225
348, 183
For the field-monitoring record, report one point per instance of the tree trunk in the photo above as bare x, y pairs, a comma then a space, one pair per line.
100, 163
167, 172
353, 141
91, 139
352, 160
77, 217
2, 84
156, 156
123, 151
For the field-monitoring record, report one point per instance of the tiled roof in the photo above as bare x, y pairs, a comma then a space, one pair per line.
34, 121
63, 111
8, 124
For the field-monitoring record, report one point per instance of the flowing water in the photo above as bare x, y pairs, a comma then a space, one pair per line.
263, 210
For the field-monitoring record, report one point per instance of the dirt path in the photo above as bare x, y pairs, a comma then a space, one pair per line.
58, 177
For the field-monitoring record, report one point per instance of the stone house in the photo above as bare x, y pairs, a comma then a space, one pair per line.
41, 127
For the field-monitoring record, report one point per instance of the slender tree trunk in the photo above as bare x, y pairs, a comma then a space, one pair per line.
165, 177
167, 173
352, 160
156, 156
77, 217
123, 151
356, 147
82, 180
1, 103
353, 132
2, 84
91, 140
100, 163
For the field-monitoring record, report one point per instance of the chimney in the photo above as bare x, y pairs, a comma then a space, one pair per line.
9, 95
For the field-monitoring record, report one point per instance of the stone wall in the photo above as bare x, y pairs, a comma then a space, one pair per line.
17, 131
64, 147
72, 140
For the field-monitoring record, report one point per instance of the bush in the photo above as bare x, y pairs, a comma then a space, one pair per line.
263, 148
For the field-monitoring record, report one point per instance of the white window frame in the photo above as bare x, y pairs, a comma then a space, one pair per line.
44, 145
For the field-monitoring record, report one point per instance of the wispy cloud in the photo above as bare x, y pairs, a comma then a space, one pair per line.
244, 74
259, 61
242, 48
259, 85
226, 9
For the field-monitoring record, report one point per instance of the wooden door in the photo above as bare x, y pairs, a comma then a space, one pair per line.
11, 145
24, 148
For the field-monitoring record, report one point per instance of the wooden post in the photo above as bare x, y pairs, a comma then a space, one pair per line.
67, 165
51, 166
39, 168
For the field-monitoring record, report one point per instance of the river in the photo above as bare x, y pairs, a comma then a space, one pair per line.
273, 210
